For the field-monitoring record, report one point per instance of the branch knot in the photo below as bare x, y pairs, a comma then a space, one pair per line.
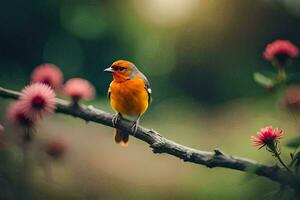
218, 152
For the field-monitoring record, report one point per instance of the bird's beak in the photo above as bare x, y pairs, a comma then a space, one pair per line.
109, 69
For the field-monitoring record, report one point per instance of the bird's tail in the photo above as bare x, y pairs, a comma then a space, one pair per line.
121, 138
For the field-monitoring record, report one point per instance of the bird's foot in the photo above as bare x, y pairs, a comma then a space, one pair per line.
116, 119
134, 127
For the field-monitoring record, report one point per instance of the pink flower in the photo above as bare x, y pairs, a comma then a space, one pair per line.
37, 99
267, 136
49, 74
16, 115
292, 97
78, 88
280, 50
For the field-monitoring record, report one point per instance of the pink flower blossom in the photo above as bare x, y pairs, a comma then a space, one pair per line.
49, 74
292, 97
37, 99
78, 88
280, 50
267, 136
16, 115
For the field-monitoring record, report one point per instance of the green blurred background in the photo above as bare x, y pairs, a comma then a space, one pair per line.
199, 56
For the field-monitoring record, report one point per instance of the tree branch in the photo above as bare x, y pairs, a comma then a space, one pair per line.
160, 144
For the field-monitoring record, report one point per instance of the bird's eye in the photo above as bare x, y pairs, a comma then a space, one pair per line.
121, 68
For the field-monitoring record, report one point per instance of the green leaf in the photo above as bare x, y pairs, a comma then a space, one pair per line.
263, 80
293, 143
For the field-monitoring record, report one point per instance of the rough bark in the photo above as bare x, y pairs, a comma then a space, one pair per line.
160, 144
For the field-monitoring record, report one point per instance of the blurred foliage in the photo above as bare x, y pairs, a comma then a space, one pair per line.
293, 143
198, 44
262, 80
199, 57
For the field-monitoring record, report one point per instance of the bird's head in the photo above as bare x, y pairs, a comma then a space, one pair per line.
122, 70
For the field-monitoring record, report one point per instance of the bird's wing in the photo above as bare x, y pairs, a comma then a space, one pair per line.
147, 87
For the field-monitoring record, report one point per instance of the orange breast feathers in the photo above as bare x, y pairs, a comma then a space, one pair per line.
129, 97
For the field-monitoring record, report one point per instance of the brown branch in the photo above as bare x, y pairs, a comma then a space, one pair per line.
160, 144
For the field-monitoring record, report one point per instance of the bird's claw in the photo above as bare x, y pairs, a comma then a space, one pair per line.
134, 128
115, 119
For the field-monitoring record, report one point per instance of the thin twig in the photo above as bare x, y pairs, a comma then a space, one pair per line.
160, 144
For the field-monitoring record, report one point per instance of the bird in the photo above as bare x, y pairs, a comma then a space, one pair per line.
129, 94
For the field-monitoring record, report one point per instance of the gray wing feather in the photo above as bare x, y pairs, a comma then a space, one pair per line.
147, 87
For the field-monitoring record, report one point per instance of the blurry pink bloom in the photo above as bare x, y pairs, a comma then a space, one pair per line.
37, 99
280, 50
49, 74
78, 88
267, 136
55, 148
15, 114
292, 97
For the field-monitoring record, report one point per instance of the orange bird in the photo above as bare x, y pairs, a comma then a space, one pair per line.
129, 94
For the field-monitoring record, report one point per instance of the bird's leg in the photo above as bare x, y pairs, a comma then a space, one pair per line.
116, 118
135, 125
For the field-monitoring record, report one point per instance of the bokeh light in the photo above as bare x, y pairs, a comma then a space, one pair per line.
164, 12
